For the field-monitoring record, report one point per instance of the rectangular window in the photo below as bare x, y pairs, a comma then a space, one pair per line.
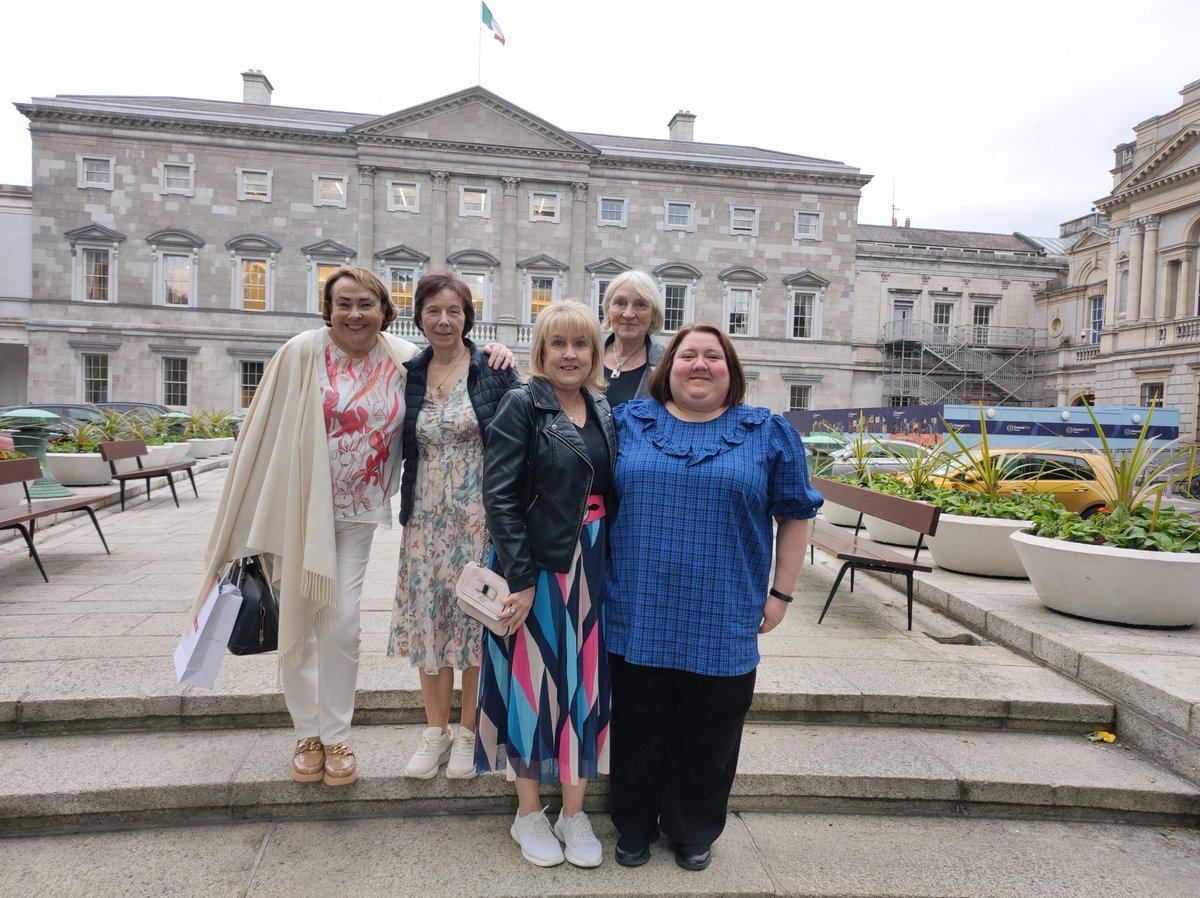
474, 201
477, 281
251, 376
329, 190
799, 397
254, 184
254, 284
612, 211
177, 279
1095, 318
323, 271
740, 299
981, 324
541, 294
95, 377
743, 220
678, 216
943, 312
674, 306
178, 177
598, 297
808, 225
1150, 393
403, 196
401, 284
175, 381
803, 324
96, 171
96, 273
543, 206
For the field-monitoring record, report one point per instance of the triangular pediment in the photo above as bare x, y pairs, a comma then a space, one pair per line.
1091, 239
94, 233
607, 266
542, 262
402, 253
806, 278
329, 248
474, 117
1178, 155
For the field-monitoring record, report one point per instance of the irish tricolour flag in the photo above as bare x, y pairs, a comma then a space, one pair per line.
490, 21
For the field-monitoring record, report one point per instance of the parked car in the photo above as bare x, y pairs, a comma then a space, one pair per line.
1070, 476
883, 455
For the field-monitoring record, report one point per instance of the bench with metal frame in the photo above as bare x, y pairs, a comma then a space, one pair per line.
856, 550
25, 515
115, 450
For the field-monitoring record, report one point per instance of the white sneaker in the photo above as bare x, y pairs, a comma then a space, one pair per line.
433, 753
537, 841
582, 846
462, 756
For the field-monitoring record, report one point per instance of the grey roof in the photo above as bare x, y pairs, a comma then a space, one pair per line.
237, 113
933, 237
1055, 246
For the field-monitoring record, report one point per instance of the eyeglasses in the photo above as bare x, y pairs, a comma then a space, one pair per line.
639, 305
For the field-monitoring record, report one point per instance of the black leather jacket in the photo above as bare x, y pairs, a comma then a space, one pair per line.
536, 480
485, 386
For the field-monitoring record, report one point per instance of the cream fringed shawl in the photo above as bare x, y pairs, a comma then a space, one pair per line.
278, 495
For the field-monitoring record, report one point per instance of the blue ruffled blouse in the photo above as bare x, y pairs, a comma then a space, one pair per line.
692, 538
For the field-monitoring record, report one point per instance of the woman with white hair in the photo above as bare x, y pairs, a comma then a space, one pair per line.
633, 312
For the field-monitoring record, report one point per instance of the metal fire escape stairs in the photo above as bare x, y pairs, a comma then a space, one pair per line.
933, 365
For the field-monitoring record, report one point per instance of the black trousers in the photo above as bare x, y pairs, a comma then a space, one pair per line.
674, 752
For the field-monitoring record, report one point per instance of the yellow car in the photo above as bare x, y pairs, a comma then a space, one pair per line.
1070, 476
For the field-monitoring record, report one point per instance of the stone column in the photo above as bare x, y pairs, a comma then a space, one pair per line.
1111, 299
1185, 304
366, 214
1146, 306
579, 231
509, 307
437, 236
1133, 304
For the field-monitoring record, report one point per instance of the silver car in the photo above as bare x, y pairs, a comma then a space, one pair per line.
882, 455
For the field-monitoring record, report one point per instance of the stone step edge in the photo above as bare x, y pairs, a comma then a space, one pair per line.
258, 786
373, 707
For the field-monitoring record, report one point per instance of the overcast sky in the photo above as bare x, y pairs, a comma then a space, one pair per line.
993, 117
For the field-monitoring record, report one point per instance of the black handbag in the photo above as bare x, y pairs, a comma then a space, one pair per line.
256, 629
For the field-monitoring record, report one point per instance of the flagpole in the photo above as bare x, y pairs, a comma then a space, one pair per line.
478, 55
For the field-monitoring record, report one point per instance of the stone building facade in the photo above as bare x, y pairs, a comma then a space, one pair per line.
177, 243
1132, 293
16, 286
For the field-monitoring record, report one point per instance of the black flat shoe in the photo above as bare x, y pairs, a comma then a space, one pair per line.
632, 852
693, 857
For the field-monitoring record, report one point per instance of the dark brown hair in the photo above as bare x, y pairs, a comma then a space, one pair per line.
433, 284
660, 380
366, 279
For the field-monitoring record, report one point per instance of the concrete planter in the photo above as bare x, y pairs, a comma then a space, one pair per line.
227, 444
977, 546
11, 494
205, 448
839, 514
886, 532
79, 468
1120, 586
178, 451
158, 455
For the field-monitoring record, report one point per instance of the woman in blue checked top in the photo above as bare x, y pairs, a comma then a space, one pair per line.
699, 479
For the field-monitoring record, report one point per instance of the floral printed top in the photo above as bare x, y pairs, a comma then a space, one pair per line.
363, 401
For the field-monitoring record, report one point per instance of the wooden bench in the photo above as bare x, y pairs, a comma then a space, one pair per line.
115, 450
16, 517
855, 550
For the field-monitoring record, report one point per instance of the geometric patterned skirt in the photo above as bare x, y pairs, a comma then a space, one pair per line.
544, 692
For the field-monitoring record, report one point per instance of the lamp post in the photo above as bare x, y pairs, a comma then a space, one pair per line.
31, 428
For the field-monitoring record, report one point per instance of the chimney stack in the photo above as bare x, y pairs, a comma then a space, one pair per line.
256, 88
907, 222
682, 125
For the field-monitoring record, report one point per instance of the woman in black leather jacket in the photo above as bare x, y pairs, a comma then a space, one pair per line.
544, 693
450, 397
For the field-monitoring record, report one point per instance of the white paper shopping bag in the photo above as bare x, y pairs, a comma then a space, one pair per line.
199, 653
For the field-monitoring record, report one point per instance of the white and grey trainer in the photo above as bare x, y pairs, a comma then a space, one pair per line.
433, 753
461, 765
537, 841
582, 848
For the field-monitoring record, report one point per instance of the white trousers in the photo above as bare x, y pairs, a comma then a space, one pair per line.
319, 690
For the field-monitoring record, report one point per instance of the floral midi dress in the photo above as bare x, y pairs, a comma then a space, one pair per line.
444, 532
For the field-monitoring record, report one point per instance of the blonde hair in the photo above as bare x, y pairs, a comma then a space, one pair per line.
644, 286
572, 319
